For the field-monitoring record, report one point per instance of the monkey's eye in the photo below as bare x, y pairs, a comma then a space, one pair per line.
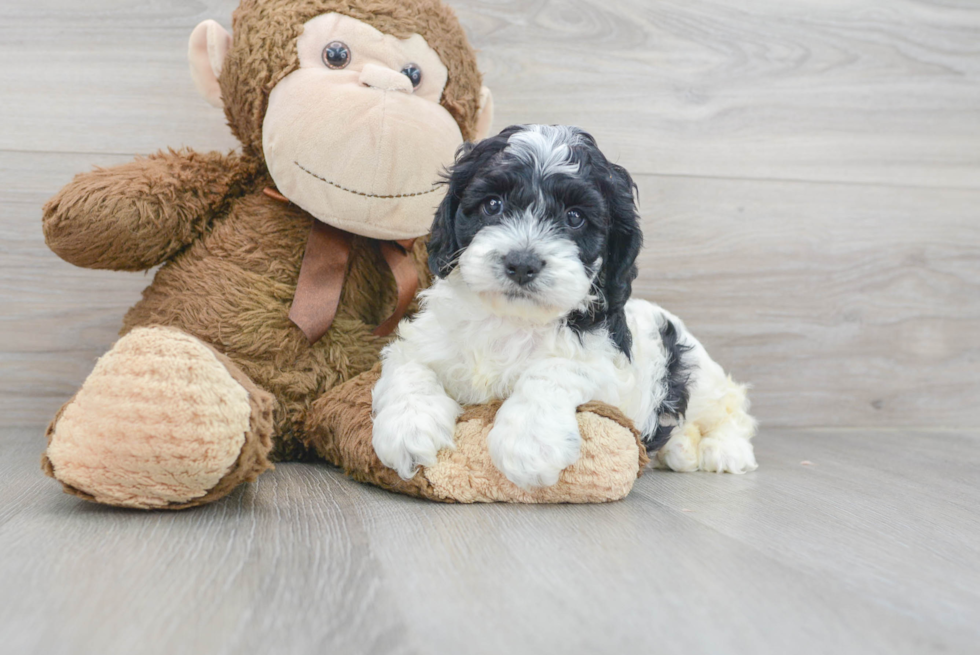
414, 73
336, 55
575, 219
492, 206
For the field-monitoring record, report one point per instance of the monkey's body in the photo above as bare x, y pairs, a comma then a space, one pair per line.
212, 379
239, 302
232, 286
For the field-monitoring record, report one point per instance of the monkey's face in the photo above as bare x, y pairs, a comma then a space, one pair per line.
356, 136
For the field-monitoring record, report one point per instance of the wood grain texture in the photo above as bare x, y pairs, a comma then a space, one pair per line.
871, 548
109, 76
842, 304
845, 91
850, 90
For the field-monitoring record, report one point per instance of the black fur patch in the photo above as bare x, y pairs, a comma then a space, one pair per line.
678, 379
602, 190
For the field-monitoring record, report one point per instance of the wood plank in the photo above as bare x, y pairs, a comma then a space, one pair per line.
843, 91
880, 500
846, 91
843, 305
110, 76
871, 549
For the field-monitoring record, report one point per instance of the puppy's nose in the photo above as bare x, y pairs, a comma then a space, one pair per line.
522, 266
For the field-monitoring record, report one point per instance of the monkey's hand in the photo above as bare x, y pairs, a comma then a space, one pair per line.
135, 216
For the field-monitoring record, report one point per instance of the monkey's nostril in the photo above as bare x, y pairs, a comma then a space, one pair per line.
522, 266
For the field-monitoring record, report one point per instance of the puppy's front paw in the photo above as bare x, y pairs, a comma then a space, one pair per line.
409, 435
531, 445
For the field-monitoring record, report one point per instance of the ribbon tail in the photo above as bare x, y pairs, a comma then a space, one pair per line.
406, 278
321, 278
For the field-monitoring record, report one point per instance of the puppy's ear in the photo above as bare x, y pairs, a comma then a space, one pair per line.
622, 248
444, 246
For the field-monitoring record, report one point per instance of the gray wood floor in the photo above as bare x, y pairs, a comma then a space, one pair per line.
871, 547
809, 177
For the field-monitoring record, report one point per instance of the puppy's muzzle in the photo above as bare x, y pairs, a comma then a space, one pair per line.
522, 266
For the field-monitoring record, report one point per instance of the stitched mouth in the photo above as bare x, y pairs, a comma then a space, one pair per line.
362, 193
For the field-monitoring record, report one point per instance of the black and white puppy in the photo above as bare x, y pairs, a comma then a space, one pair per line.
534, 248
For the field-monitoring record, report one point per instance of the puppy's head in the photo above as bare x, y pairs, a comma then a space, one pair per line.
541, 225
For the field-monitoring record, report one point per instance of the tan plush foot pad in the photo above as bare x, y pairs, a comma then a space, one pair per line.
339, 427
163, 421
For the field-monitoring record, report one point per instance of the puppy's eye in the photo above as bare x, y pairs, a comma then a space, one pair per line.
575, 218
414, 73
492, 206
336, 55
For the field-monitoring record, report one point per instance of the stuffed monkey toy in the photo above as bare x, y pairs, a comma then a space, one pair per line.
285, 268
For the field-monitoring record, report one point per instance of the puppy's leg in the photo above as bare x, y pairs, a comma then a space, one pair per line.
684, 396
714, 432
414, 418
535, 434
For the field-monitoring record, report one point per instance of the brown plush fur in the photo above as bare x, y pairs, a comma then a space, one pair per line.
233, 289
135, 216
338, 428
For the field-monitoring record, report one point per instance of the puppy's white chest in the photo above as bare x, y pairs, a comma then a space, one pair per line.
485, 376
492, 365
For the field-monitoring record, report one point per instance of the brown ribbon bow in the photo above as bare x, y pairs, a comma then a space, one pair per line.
321, 278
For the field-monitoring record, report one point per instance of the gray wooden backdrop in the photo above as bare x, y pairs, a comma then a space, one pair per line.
809, 176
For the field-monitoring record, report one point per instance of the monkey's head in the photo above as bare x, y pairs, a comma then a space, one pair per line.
353, 106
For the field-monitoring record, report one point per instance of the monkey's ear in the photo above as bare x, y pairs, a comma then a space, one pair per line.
207, 50
485, 118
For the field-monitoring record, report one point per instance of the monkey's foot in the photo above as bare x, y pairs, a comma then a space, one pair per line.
163, 421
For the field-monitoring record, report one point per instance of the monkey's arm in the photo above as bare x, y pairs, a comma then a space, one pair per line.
135, 216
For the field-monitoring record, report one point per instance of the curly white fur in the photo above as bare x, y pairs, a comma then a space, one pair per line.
459, 350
